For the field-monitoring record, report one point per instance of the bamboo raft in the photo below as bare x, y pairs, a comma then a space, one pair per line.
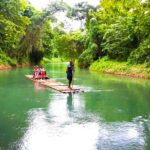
55, 85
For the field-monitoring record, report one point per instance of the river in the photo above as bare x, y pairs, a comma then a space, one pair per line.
113, 113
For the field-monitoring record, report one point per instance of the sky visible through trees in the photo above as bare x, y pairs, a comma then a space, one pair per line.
40, 4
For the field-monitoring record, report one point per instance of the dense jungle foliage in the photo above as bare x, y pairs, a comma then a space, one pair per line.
120, 30
116, 29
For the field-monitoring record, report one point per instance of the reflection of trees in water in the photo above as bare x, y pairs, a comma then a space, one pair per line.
69, 101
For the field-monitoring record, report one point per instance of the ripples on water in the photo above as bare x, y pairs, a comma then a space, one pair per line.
65, 125
109, 115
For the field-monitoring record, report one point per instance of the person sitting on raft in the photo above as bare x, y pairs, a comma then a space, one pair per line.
42, 73
36, 72
39, 73
69, 71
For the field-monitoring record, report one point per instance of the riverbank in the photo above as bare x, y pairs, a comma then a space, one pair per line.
7, 67
120, 68
43, 62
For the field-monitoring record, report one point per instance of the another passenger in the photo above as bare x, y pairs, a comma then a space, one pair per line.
36, 72
42, 73
39, 73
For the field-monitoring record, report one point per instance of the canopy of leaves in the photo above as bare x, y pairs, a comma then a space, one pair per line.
121, 30
12, 24
56, 6
24, 31
118, 29
69, 45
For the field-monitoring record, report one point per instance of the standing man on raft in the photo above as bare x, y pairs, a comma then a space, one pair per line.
70, 71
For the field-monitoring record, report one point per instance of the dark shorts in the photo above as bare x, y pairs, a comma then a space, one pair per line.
69, 76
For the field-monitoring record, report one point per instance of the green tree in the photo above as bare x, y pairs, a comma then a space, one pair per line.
12, 24
80, 11
69, 45
120, 30
37, 41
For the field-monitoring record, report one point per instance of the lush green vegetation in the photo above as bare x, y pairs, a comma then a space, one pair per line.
26, 34
106, 65
12, 27
118, 30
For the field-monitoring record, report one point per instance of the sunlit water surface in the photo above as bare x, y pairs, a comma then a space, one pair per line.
112, 114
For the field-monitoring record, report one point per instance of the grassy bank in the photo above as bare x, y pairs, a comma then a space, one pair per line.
105, 65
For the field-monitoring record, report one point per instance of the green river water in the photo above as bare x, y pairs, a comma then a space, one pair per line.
113, 113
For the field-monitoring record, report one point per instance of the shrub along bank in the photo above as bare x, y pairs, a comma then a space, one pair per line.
105, 65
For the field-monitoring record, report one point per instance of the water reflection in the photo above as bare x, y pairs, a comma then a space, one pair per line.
56, 129
121, 136
69, 101
38, 86
67, 125
112, 114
